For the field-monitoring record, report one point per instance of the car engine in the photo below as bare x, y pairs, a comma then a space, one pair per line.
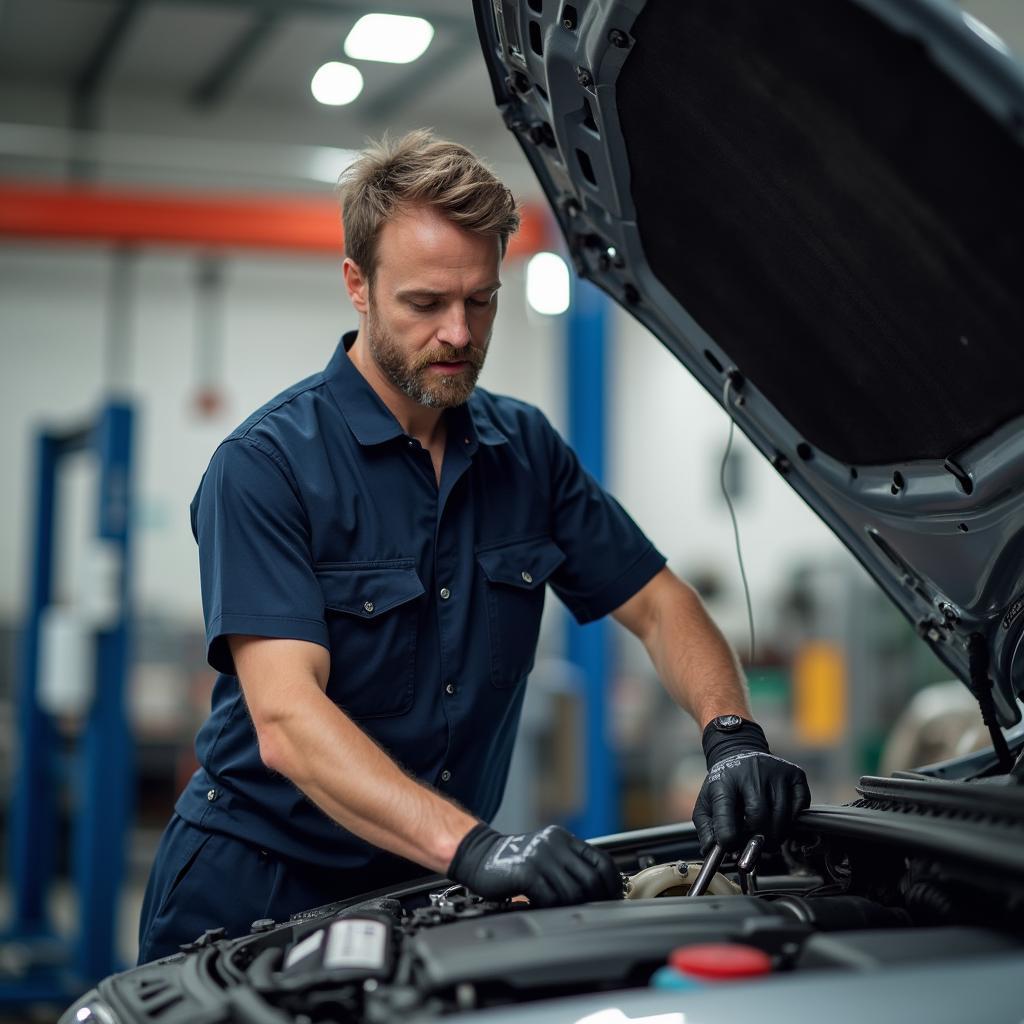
885, 881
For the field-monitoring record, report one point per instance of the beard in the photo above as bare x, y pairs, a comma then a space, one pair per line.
412, 376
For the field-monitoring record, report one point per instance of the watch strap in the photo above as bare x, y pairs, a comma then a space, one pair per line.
718, 745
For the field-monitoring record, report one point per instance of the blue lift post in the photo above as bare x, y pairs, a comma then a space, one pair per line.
101, 770
589, 647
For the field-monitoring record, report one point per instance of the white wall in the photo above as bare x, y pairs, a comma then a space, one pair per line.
666, 448
282, 318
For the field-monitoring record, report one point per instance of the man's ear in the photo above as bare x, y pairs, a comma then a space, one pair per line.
357, 285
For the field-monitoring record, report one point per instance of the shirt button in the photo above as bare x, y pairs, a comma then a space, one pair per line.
527, 578
450, 689
446, 775
411, 444
445, 593
367, 607
211, 795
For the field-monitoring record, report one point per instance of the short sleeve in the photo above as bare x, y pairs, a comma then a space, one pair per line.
254, 556
608, 557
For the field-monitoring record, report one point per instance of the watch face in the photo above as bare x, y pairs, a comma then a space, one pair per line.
728, 723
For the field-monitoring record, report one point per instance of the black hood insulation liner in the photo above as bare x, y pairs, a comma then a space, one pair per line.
850, 232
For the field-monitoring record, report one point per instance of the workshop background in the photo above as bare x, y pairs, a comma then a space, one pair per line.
170, 258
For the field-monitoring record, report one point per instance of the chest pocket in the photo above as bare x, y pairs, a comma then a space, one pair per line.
372, 612
515, 575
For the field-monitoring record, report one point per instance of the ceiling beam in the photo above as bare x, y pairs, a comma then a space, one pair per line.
435, 65
231, 63
300, 224
97, 65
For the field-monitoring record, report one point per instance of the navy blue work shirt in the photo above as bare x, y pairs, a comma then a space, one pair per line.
319, 519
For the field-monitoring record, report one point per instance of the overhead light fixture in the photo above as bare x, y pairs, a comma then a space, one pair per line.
392, 38
336, 84
547, 283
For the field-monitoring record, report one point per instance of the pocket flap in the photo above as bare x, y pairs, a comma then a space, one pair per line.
524, 563
368, 592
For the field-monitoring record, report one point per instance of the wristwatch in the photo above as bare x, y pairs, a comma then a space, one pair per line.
726, 723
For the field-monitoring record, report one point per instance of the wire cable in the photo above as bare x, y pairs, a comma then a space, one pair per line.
732, 515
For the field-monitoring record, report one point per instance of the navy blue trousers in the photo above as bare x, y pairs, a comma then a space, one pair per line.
203, 880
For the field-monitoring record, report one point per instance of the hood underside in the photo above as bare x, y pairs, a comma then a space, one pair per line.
818, 209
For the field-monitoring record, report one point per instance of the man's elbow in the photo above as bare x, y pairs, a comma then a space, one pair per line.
272, 745
283, 683
278, 748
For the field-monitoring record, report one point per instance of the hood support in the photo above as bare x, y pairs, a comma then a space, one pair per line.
981, 687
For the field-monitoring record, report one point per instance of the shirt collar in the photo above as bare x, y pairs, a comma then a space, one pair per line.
372, 422
484, 428
369, 419
471, 424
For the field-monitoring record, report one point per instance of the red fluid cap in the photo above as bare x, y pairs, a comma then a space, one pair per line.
720, 961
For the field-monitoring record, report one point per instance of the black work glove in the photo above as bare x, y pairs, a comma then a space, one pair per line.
550, 867
747, 790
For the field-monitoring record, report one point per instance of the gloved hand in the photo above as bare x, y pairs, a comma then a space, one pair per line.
551, 867
748, 789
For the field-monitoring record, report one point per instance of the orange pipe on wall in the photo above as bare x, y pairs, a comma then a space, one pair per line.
297, 224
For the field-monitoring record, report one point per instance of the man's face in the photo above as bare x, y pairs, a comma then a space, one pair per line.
431, 306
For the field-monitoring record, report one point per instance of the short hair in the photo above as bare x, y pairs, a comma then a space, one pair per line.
420, 169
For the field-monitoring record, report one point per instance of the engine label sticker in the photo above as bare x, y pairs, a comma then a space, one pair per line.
310, 944
356, 943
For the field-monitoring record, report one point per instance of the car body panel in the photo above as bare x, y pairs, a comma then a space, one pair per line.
929, 499
838, 996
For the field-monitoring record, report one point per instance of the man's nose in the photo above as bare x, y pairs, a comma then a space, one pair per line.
455, 330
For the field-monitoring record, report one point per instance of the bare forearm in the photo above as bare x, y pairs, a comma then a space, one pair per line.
358, 785
693, 659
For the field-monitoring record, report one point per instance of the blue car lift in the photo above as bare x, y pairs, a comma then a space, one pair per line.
99, 771
589, 647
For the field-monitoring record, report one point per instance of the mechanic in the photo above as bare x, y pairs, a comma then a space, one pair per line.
374, 547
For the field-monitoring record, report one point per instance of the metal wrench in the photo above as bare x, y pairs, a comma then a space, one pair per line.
746, 866
707, 871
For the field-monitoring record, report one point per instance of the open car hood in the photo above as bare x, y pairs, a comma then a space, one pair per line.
818, 208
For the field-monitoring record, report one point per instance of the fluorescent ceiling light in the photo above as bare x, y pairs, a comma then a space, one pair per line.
392, 38
547, 283
336, 84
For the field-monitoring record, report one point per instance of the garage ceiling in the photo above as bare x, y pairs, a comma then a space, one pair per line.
216, 92
219, 74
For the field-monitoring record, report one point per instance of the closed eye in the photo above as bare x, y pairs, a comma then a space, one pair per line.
432, 304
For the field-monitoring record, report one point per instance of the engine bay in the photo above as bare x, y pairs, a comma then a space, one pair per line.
853, 895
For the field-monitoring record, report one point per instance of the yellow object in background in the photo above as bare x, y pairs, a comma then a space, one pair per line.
819, 694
